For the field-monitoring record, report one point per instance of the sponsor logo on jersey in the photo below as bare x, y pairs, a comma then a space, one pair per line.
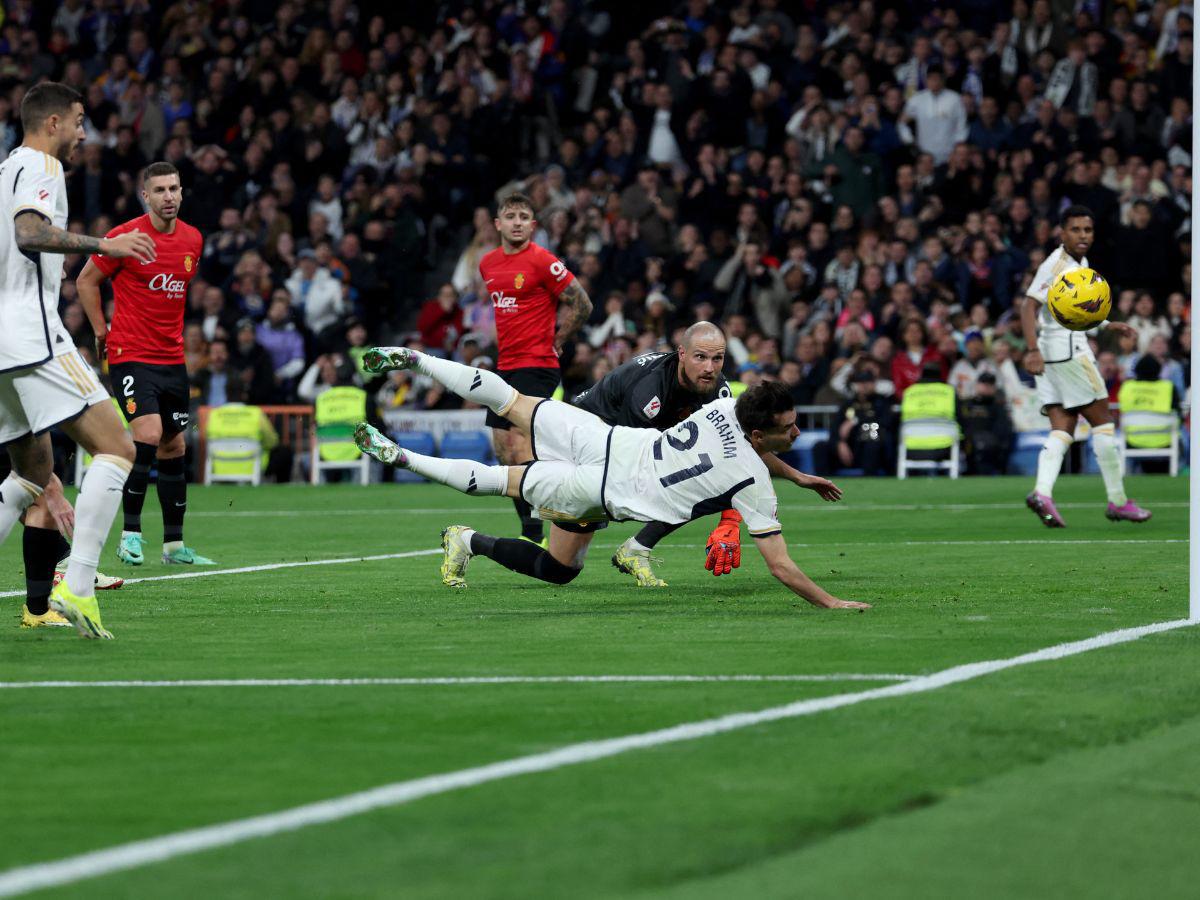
131, 406
499, 301
187, 263
519, 281
169, 283
653, 408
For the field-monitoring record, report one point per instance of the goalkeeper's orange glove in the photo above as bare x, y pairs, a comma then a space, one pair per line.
724, 546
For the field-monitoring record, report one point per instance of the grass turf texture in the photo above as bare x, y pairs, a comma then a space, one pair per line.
1069, 778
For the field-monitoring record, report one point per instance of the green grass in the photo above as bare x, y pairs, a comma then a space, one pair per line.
1074, 778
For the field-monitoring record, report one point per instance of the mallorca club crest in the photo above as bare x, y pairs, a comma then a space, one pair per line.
131, 406
652, 408
519, 281
187, 263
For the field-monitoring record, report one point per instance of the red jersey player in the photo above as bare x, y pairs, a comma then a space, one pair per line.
144, 346
539, 305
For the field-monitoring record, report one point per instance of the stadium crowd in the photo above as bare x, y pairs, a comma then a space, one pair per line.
858, 192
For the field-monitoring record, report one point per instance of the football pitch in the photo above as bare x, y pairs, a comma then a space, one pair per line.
304, 722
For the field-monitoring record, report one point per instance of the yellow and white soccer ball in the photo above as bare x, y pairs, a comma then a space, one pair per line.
1080, 299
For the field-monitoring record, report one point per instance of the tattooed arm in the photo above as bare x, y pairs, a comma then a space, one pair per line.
574, 308
35, 234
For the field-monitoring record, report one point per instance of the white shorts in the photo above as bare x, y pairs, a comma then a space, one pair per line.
559, 431
36, 399
570, 449
1072, 384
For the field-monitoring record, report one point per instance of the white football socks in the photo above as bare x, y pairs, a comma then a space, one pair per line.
1104, 443
461, 474
17, 494
1050, 461
99, 500
476, 385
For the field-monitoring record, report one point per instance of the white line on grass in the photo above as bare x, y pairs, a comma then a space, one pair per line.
448, 680
158, 849
207, 573
498, 509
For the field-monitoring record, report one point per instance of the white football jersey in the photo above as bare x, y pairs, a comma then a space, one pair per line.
1058, 344
32, 331
703, 465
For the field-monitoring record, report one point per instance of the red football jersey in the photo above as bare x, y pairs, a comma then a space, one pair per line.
524, 288
147, 324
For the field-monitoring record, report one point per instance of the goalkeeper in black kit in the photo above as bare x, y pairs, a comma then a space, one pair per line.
659, 390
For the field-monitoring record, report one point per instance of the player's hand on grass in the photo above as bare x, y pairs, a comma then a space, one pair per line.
60, 509
724, 547
847, 604
824, 488
137, 244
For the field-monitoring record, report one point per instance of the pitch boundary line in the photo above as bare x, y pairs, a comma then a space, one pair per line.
497, 509
459, 680
181, 843
268, 567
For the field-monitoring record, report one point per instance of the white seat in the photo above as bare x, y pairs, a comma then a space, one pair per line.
927, 428
1151, 423
337, 433
233, 450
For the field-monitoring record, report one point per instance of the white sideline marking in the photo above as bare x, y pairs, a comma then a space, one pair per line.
180, 843
470, 679
207, 573
498, 509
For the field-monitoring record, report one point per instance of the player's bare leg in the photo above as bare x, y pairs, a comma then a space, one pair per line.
1062, 435
32, 466
1108, 457
98, 430
512, 448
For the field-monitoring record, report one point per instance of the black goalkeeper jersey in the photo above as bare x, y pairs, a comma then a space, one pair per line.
645, 393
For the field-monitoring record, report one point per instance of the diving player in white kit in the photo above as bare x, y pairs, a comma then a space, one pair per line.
585, 470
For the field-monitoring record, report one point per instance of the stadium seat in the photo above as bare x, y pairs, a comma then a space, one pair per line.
418, 442
336, 414
472, 445
801, 455
1154, 423
233, 450
928, 428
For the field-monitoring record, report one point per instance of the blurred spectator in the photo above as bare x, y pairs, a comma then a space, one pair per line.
316, 294
987, 429
913, 355
967, 373
441, 321
863, 433
938, 116
278, 335
252, 364
753, 288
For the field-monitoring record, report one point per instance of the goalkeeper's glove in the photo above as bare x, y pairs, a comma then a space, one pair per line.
724, 546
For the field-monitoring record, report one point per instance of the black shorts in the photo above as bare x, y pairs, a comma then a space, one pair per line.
145, 389
531, 383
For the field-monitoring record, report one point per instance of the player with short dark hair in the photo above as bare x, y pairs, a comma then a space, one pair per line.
659, 390
539, 305
144, 349
588, 471
1068, 383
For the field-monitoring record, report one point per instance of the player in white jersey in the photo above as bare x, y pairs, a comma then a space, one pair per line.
1068, 382
585, 470
44, 381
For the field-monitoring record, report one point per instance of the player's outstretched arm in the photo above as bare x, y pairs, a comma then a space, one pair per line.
774, 551
88, 286
35, 234
573, 310
823, 486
